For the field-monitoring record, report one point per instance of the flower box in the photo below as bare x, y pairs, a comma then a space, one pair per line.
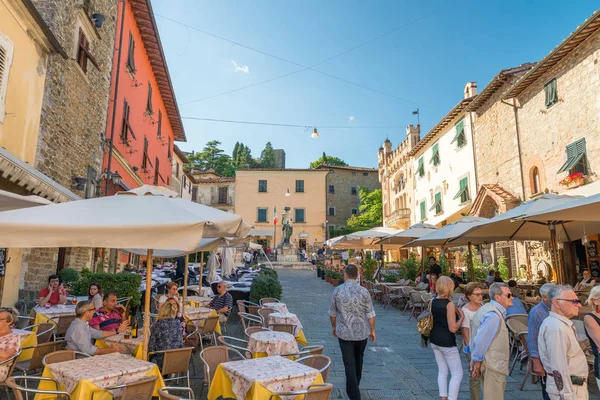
573, 180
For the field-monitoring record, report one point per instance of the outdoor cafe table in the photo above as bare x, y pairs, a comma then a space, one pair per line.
204, 301
258, 378
27, 338
279, 307
203, 291
51, 314
269, 343
83, 376
289, 318
133, 345
196, 313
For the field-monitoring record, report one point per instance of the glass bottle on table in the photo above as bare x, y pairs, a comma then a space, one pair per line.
134, 329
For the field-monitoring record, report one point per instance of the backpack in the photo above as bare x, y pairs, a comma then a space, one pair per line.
425, 322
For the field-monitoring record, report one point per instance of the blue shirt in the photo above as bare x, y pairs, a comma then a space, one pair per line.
516, 308
486, 332
537, 315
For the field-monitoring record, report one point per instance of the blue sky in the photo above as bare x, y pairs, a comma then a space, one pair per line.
437, 47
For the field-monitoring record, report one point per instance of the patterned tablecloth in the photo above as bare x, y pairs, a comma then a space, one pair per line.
204, 301
285, 318
52, 313
279, 307
192, 312
276, 374
272, 343
103, 371
133, 345
203, 291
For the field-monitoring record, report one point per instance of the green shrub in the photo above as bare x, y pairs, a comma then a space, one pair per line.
392, 278
268, 272
68, 275
265, 286
124, 284
503, 267
369, 267
411, 267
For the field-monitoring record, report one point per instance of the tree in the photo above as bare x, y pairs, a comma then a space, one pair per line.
236, 149
212, 157
370, 209
267, 157
329, 160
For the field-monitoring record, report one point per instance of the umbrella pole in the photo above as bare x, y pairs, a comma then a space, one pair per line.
470, 264
186, 274
422, 260
553, 250
147, 304
201, 269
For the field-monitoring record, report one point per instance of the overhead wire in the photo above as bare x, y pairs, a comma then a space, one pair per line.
294, 125
303, 66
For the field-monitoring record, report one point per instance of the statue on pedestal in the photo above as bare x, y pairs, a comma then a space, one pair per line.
287, 230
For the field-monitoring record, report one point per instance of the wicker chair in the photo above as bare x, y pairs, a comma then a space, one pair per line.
264, 314
23, 321
166, 393
176, 361
62, 325
239, 345
515, 327
39, 352
253, 329
406, 298
314, 392
288, 328
523, 318
14, 383
213, 356
306, 351
62, 355
155, 301
44, 331
417, 303
249, 320
318, 361
138, 390
208, 329
523, 339
10, 363
266, 300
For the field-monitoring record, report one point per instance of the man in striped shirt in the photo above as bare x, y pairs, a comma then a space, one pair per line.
110, 316
223, 302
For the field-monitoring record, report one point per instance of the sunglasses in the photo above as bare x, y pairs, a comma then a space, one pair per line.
572, 301
508, 295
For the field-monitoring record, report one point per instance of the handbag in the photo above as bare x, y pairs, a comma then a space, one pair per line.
425, 322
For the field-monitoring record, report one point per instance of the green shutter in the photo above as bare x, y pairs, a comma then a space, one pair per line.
435, 156
460, 131
575, 152
551, 92
421, 170
423, 212
463, 192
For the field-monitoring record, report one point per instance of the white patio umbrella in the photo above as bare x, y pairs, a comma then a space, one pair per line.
413, 232
151, 190
13, 201
366, 239
212, 265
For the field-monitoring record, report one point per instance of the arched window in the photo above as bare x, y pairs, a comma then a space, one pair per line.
535, 180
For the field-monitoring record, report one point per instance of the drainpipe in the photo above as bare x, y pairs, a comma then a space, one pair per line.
474, 152
117, 72
515, 109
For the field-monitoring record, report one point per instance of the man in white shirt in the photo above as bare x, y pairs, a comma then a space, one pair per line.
559, 349
587, 282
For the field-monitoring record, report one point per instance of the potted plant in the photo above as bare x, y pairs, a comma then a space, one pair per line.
335, 278
319, 271
573, 180
328, 275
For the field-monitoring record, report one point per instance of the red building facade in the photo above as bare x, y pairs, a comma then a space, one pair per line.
143, 119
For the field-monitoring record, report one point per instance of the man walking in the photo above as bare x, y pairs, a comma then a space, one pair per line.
559, 350
537, 315
490, 350
352, 322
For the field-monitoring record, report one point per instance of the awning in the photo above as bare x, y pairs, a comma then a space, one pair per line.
24, 175
261, 232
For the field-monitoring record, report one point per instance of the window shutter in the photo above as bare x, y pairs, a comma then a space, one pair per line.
435, 154
459, 137
149, 101
423, 211
169, 154
145, 155
131, 54
575, 152
421, 169
159, 133
6, 55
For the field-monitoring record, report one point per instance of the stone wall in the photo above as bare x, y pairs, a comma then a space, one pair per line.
496, 147
343, 200
545, 132
73, 114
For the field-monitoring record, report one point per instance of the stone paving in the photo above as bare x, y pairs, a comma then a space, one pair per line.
395, 367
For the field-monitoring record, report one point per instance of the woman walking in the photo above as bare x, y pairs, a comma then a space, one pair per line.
474, 297
443, 339
592, 327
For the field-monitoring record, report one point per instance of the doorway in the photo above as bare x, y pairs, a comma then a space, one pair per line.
302, 244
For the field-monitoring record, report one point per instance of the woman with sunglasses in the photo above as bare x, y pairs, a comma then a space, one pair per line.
592, 326
474, 294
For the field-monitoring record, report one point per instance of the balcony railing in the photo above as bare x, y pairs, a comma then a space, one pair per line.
397, 216
219, 202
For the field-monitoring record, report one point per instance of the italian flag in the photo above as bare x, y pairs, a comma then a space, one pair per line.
274, 215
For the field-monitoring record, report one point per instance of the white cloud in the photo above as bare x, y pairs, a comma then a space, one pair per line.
238, 68
351, 118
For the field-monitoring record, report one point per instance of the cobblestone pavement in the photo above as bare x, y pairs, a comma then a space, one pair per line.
395, 367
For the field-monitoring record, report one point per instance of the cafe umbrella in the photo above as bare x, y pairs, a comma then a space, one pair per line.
413, 232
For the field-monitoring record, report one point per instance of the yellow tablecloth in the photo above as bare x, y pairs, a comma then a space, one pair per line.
26, 341
137, 353
212, 314
300, 338
84, 388
221, 386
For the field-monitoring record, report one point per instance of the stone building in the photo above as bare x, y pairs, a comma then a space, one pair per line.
343, 185
178, 173
396, 178
212, 189
26, 44
73, 116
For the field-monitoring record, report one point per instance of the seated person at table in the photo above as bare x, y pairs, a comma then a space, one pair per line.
586, 282
54, 294
517, 306
110, 316
178, 314
541, 279
172, 293
95, 295
79, 335
498, 278
165, 333
222, 302
9, 342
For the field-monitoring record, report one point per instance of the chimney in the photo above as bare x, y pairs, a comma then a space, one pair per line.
470, 89
413, 133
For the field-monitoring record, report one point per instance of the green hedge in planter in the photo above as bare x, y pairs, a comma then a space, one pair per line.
265, 285
268, 272
124, 284
392, 278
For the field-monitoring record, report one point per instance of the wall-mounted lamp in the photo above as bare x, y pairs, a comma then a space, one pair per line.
114, 177
315, 134
287, 193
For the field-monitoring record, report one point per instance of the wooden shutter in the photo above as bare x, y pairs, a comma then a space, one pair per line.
223, 195
149, 100
159, 133
6, 55
156, 171
145, 155
169, 153
131, 54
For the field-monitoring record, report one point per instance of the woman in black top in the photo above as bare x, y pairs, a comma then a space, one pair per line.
443, 340
592, 326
